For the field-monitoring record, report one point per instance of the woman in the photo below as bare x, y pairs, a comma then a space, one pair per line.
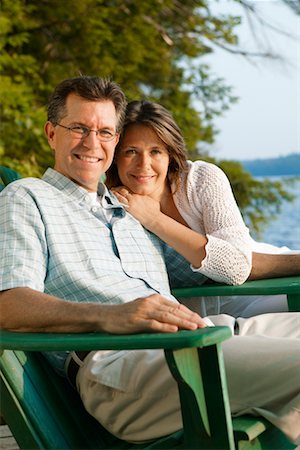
190, 206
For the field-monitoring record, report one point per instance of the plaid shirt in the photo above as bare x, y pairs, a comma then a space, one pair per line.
54, 239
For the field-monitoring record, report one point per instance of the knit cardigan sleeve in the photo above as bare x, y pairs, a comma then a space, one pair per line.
206, 202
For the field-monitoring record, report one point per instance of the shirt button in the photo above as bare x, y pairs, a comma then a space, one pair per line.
86, 198
94, 209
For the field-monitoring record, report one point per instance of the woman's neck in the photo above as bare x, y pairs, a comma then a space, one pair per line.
168, 207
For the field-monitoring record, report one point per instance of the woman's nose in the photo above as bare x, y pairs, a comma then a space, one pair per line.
144, 160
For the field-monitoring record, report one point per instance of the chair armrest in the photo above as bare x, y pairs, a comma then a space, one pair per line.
204, 337
287, 285
273, 286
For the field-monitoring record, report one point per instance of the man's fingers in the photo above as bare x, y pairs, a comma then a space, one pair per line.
178, 315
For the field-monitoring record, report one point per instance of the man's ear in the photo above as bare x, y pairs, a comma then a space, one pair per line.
50, 133
117, 138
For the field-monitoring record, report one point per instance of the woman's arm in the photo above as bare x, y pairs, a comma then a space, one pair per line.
266, 265
189, 243
215, 240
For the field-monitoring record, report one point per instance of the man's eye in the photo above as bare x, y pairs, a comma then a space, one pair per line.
106, 133
79, 130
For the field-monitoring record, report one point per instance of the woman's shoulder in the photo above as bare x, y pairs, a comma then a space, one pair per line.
200, 171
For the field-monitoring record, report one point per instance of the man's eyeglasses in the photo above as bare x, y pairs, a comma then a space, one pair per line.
81, 132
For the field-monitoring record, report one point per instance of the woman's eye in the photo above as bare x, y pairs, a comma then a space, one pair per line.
130, 151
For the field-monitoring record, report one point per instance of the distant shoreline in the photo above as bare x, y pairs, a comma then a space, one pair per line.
283, 166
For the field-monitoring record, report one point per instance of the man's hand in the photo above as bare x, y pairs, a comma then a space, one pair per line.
27, 310
150, 314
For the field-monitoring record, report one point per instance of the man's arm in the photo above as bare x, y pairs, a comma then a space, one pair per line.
266, 265
27, 310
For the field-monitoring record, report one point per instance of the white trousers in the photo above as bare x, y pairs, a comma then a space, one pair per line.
133, 395
237, 305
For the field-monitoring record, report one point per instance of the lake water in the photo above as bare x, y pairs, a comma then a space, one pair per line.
285, 229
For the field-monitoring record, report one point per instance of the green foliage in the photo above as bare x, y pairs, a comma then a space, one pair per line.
151, 48
141, 45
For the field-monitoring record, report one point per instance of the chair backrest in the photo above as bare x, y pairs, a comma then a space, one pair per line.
43, 410
7, 176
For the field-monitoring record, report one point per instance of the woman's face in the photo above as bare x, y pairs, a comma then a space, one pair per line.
143, 162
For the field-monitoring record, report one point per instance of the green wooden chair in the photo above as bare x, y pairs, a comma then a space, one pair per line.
45, 412
7, 176
275, 286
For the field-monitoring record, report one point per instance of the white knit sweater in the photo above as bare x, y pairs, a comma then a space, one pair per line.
206, 202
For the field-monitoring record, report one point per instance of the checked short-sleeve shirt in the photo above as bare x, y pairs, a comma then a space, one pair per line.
54, 239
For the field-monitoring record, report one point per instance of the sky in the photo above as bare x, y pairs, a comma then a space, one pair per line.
265, 123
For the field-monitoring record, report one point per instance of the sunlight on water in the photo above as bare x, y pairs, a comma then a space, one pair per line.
285, 229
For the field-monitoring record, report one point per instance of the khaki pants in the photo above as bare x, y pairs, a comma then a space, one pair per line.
133, 395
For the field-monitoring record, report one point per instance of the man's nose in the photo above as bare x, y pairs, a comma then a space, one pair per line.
91, 141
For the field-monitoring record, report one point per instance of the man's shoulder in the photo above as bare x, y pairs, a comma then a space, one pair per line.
29, 191
29, 185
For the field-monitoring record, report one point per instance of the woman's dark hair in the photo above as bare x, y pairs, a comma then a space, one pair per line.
160, 120
91, 88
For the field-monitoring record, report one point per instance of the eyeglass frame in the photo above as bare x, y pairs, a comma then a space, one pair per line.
87, 131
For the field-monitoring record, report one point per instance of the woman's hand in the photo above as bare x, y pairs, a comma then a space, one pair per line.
189, 243
143, 208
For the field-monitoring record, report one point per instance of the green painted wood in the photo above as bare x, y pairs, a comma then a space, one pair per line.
294, 302
20, 426
203, 394
216, 395
248, 427
26, 424
48, 405
44, 412
101, 341
286, 285
253, 433
194, 414
8, 175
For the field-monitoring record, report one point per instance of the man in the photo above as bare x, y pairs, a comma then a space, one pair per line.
73, 260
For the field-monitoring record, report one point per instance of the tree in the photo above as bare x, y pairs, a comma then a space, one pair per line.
152, 48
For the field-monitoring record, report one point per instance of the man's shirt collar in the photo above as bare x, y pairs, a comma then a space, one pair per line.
78, 193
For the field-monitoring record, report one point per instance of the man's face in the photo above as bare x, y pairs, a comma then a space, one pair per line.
83, 160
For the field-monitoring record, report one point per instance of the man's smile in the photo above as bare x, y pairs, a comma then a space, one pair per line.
90, 159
